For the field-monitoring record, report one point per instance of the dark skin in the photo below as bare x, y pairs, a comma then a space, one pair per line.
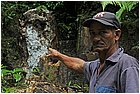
104, 40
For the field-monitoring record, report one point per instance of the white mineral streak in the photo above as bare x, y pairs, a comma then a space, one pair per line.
36, 47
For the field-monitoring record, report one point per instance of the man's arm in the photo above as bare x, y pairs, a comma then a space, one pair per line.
129, 77
130, 80
73, 63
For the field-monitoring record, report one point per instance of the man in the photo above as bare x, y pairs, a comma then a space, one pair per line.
114, 71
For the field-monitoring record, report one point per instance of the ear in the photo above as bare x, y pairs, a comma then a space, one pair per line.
117, 34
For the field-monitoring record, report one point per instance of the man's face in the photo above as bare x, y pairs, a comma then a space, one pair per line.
102, 37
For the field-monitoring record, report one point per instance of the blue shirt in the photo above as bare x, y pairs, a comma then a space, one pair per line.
120, 74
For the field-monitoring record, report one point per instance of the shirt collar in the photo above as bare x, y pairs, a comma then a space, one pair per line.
115, 57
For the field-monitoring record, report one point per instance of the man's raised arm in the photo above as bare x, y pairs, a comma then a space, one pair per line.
73, 63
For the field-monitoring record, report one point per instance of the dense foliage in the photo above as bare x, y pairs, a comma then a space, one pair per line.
129, 16
69, 16
10, 76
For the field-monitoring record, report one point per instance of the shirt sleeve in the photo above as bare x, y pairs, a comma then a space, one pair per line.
87, 71
130, 78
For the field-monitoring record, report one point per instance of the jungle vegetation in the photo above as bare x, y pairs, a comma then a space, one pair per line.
69, 16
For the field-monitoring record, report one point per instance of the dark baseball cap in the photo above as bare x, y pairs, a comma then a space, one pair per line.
106, 18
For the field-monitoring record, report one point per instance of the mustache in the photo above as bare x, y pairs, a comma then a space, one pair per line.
93, 45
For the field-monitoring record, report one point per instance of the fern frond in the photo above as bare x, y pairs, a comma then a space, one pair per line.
125, 6
105, 3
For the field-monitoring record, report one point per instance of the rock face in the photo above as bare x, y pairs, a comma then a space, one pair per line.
39, 31
85, 44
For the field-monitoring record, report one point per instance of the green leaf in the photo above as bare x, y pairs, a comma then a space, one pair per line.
77, 85
131, 5
10, 17
8, 90
105, 3
42, 7
5, 72
125, 6
17, 70
3, 67
17, 77
69, 83
36, 70
119, 14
